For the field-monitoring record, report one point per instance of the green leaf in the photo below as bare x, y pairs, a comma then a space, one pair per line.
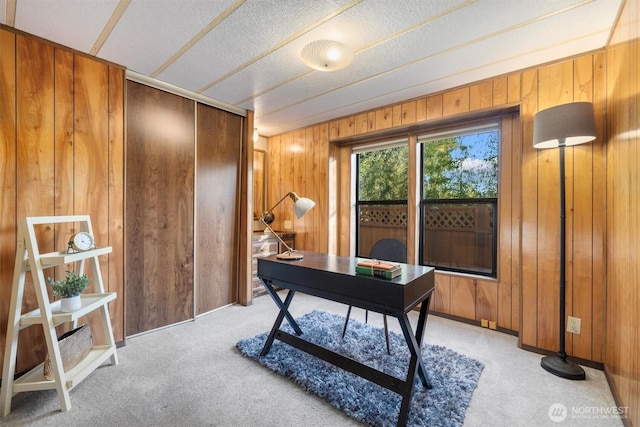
71, 286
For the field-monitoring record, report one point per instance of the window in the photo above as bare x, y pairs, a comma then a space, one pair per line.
459, 200
381, 194
458, 184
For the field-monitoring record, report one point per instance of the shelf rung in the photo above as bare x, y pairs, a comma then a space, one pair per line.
35, 380
96, 357
89, 303
56, 258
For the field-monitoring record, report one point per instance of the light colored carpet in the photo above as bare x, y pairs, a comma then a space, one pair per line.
193, 375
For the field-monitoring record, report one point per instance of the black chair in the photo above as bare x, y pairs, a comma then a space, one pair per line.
384, 250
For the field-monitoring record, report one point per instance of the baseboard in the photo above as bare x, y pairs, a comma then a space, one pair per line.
472, 322
584, 362
626, 421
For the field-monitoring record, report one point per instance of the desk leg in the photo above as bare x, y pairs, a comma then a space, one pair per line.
422, 321
416, 365
284, 312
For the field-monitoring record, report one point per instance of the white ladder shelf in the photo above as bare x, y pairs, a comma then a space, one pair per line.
49, 315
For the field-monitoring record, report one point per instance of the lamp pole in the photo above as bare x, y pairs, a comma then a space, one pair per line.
559, 365
563, 255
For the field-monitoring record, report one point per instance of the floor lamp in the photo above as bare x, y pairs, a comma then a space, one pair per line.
301, 205
562, 126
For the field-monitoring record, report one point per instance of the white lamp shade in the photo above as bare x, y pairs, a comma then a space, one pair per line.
326, 55
302, 206
567, 124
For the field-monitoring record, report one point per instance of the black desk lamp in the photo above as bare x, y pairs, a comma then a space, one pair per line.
301, 205
562, 126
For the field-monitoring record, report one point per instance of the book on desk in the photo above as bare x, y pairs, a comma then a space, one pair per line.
375, 268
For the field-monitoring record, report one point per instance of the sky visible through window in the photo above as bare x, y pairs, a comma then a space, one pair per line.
461, 166
482, 156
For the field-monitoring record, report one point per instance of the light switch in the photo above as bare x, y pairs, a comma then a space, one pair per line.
287, 224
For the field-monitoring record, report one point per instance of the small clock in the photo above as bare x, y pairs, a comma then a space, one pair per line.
81, 241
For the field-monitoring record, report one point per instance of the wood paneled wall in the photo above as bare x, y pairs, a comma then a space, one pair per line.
299, 161
509, 217
61, 145
528, 201
581, 79
622, 355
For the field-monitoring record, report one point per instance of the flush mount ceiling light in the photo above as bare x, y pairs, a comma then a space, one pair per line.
326, 55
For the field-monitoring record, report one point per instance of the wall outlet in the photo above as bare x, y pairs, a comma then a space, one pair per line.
287, 224
573, 325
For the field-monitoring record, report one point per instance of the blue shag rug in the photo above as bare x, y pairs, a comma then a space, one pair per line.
453, 376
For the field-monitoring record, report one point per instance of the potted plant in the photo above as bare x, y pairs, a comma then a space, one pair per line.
69, 289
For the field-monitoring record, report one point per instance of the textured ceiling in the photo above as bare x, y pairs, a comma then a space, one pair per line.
246, 53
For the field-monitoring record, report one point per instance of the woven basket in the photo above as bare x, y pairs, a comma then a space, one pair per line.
74, 346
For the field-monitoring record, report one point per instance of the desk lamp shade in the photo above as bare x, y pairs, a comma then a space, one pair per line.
561, 126
301, 205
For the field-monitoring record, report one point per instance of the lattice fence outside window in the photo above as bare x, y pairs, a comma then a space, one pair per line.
383, 216
451, 218
459, 235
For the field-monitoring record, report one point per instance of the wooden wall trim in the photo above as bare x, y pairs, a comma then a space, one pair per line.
425, 125
245, 291
413, 201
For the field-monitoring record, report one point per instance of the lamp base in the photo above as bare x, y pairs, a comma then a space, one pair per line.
290, 255
563, 368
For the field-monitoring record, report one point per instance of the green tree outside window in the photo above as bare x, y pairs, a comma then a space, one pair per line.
383, 174
454, 168
461, 167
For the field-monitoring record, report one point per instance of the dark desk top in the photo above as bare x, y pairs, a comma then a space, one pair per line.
333, 277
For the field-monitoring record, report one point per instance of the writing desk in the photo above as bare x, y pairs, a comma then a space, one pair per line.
333, 277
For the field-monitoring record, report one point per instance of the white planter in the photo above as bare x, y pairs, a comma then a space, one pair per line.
70, 304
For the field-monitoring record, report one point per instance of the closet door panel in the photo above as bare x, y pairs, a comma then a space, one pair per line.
160, 159
219, 136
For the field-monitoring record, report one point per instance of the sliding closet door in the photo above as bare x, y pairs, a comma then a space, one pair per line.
217, 215
159, 208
